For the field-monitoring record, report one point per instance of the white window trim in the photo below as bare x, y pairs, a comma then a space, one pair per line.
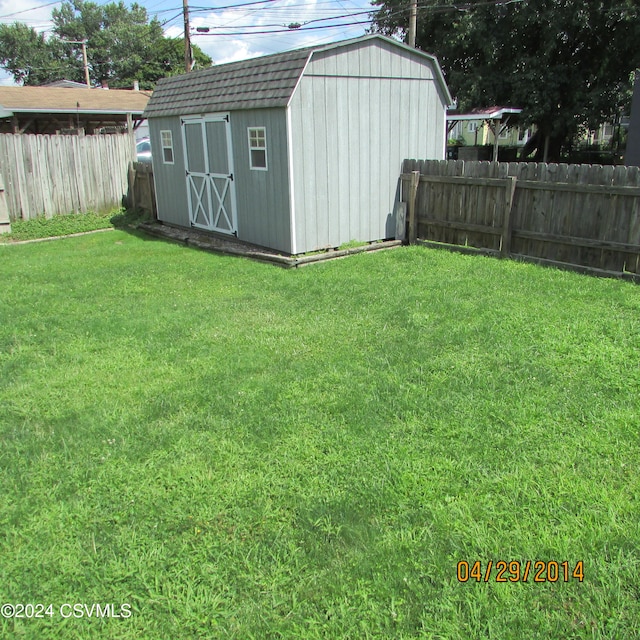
266, 156
162, 144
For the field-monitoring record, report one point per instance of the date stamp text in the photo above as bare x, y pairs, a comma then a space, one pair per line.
517, 571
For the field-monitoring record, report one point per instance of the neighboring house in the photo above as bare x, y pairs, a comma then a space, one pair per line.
300, 150
51, 110
478, 127
602, 135
67, 84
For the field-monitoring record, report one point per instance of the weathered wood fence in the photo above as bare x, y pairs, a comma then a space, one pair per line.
583, 216
49, 175
142, 191
5, 223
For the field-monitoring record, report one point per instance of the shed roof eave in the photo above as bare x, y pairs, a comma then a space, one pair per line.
101, 112
496, 114
299, 80
208, 109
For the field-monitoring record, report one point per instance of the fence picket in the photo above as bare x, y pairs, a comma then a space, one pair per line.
48, 175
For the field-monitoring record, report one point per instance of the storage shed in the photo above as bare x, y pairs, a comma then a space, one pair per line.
296, 151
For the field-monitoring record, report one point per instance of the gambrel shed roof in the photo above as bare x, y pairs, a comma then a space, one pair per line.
264, 82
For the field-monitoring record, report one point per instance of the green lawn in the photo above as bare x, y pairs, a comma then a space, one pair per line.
62, 225
227, 449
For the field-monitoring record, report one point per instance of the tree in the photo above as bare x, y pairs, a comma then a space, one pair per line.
123, 46
169, 57
28, 56
566, 63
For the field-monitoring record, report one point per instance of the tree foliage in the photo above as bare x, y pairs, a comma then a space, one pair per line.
123, 46
28, 56
567, 63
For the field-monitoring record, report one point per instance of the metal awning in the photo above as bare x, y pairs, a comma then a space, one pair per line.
499, 120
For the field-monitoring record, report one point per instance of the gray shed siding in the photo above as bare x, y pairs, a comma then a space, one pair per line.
170, 182
356, 114
262, 196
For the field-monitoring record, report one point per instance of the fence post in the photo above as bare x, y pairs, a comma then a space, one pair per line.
413, 196
152, 190
505, 241
131, 178
5, 222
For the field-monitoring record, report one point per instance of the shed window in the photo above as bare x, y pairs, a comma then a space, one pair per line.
167, 146
258, 148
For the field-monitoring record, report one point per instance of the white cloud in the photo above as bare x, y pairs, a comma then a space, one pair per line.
235, 50
30, 12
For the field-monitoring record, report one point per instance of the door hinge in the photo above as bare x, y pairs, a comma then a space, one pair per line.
230, 176
226, 117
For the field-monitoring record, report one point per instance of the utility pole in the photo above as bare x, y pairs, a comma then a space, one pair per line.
86, 64
413, 19
187, 38
85, 61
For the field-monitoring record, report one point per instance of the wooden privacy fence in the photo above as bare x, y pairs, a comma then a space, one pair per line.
49, 175
583, 216
142, 191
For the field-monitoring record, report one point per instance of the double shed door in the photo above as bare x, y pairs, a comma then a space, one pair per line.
209, 172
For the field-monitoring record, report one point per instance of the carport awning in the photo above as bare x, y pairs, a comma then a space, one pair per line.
498, 119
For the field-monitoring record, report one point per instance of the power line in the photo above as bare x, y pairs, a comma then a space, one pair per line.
234, 6
246, 7
304, 24
40, 6
285, 30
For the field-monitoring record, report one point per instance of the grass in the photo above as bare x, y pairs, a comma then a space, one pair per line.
63, 225
352, 244
240, 451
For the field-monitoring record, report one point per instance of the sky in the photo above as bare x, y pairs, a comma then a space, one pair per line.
237, 32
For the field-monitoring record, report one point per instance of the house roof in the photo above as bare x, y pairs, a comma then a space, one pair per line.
66, 100
67, 84
268, 81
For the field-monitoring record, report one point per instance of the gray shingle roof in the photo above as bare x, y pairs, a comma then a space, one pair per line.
268, 81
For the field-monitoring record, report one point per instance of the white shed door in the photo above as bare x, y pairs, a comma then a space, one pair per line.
209, 172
